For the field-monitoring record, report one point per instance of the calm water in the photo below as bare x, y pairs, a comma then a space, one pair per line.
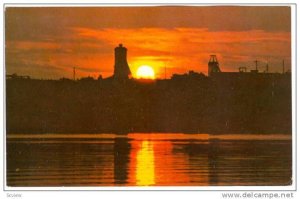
148, 160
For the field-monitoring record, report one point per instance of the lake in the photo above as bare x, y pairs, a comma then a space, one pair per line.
148, 159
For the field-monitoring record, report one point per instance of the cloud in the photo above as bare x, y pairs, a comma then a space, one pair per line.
180, 38
179, 49
23, 23
190, 48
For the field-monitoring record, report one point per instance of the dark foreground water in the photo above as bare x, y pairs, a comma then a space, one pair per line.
148, 159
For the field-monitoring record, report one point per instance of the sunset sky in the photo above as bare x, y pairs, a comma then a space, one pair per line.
48, 42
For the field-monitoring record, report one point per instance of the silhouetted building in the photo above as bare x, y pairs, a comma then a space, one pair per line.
15, 76
213, 65
121, 68
190, 75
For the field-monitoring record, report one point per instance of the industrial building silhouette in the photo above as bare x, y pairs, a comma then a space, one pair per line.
213, 65
121, 68
222, 102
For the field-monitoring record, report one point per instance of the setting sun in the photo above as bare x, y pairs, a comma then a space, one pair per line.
145, 72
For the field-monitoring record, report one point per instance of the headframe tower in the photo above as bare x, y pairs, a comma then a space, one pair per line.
213, 65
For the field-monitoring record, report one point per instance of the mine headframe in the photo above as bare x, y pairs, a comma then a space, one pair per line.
213, 65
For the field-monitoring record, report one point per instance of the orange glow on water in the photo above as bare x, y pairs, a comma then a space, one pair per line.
152, 162
145, 171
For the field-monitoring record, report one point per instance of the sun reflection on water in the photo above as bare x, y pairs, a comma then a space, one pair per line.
145, 174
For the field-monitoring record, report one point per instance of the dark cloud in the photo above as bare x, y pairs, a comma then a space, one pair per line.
22, 23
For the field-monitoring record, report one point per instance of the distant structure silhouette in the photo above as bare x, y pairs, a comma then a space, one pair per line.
213, 65
121, 68
74, 73
250, 102
256, 67
242, 69
16, 76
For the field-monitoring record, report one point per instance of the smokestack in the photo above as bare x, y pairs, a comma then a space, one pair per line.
121, 69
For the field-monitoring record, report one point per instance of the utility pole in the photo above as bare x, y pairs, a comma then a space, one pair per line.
74, 73
165, 72
256, 65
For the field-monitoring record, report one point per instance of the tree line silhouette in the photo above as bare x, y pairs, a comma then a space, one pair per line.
258, 103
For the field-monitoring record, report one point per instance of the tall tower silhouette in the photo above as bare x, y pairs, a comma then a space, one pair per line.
213, 65
121, 68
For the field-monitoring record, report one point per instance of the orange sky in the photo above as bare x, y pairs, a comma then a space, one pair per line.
48, 42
